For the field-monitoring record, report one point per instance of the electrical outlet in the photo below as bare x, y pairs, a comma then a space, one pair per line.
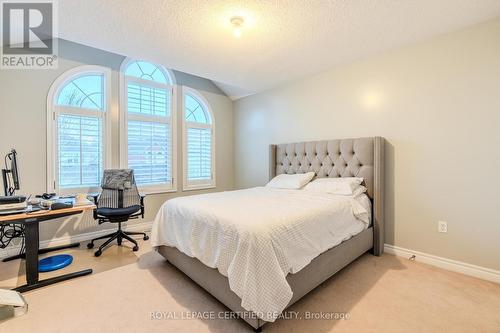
442, 226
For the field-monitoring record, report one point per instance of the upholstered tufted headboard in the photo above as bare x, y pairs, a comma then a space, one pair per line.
360, 157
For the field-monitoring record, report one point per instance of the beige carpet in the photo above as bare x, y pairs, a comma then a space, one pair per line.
380, 294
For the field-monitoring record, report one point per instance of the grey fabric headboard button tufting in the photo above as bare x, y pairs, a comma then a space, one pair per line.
334, 158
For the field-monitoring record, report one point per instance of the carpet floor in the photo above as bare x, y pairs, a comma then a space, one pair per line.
141, 292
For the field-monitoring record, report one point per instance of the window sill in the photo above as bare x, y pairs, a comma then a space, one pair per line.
197, 187
156, 191
97, 191
68, 192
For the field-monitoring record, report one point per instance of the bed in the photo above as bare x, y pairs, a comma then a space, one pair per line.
259, 279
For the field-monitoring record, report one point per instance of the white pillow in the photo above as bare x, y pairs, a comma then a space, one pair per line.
360, 190
341, 185
294, 182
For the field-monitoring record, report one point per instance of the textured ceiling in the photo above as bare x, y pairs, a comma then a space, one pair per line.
282, 40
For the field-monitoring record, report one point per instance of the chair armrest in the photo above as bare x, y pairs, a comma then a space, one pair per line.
142, 196
95, 197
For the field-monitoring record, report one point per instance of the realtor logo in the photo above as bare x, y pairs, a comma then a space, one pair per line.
27, 34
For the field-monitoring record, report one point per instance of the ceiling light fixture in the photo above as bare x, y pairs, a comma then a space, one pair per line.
237, 23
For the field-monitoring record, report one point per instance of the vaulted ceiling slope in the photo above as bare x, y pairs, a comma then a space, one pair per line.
282, 40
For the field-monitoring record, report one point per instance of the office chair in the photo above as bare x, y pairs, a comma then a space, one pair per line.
118, 202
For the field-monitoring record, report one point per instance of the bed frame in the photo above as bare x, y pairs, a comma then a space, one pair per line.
360, 157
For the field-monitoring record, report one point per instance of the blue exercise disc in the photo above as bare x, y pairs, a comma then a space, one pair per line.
55, 262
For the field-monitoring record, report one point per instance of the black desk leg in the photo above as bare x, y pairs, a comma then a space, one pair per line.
32, 248
56, 279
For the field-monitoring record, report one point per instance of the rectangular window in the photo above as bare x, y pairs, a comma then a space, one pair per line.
80, 151
149, 152
199, 150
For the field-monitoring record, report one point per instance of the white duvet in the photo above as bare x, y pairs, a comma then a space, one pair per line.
257, 236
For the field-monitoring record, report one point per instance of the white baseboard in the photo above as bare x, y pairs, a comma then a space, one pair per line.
445, 263
65, 240
448, 264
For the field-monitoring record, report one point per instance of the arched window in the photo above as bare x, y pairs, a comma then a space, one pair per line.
77, 112
147, 124
198, 142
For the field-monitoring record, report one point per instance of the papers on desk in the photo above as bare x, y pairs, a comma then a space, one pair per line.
85, 202
14, 206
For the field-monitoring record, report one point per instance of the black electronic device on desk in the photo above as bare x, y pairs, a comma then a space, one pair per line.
13, 204
9, 200
10, 174
10, 204
61, 205
47, 196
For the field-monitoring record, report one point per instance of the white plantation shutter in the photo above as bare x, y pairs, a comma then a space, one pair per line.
148, 100
198, 142
149, 153
148, 125
199, 150
80, 152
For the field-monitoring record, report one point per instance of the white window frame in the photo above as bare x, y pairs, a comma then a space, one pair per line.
199, 184
172, 121
53, 111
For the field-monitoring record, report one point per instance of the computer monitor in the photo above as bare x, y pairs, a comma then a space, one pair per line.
11, 173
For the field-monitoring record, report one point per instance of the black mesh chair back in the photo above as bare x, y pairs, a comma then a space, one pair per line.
119, 189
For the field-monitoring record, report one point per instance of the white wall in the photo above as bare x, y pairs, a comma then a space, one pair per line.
437, 104
23, 98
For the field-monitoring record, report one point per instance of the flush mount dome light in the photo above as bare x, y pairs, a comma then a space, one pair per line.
237, 23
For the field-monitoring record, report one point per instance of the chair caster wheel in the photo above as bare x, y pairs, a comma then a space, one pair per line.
97, 253
90, 245
135, 248
146, 237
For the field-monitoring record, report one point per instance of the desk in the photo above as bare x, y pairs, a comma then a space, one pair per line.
31, 222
